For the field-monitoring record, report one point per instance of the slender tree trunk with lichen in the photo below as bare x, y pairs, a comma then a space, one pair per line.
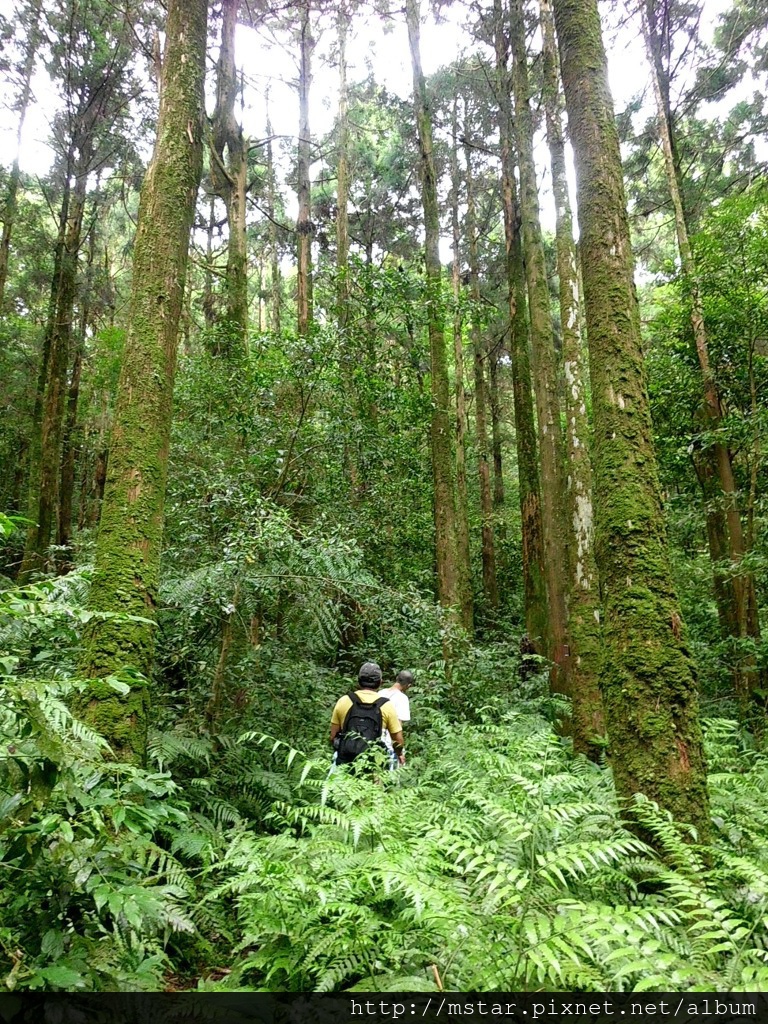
35, 448
274, 259
56, 352
735, 590
342, 180
69, 436
495, 404
209, 298
304, 225
534, 583
229, 174
479, 354
348, 358
462, 501
545, 384
648, 684
584, 641
451, 580
131, 531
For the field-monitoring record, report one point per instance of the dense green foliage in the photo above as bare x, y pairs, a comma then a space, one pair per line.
236, 861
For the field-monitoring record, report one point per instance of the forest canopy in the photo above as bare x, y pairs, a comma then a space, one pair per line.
427, 338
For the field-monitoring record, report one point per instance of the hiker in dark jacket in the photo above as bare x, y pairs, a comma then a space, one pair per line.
360, 716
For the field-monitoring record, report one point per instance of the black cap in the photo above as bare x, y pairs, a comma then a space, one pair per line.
369, 675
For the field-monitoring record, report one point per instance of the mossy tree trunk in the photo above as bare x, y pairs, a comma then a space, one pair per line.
584, 599
304, 225
479, 355
229, 174
545, 383
735, 593
649, 689
462, 501
44, 494
534, 583
452, 577
131, 530
69, 443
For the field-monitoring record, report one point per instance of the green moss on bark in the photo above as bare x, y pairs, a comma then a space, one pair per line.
130, 534
534, 586
648, 683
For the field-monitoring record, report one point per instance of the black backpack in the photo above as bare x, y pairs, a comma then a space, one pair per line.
362, 726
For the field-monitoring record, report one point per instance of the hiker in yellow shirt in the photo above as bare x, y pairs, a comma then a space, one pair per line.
360, 716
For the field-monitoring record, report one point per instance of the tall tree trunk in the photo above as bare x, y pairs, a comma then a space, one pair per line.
545, 383
451, 580
56, 350
69, 437
737, 593
209, 299
11, 197
649, 690
534, 580
229, 172
584, 605
131, 530
35, 444
347, 354
488, 547
495, 405
304, 225
342, 180
274, 261
462, 502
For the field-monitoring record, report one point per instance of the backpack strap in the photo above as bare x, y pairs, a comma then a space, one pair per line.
355, 700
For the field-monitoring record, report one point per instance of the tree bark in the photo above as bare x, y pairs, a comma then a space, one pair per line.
450, 581
462, 502
229, 173
130, 534
545, 384
648, 685
488, 547
736, 594
584, 641
534, 582
304, 225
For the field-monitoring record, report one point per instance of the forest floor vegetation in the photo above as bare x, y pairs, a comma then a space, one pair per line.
495, 860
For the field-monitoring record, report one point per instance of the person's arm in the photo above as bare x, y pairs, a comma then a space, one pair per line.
337, 718
399, 747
